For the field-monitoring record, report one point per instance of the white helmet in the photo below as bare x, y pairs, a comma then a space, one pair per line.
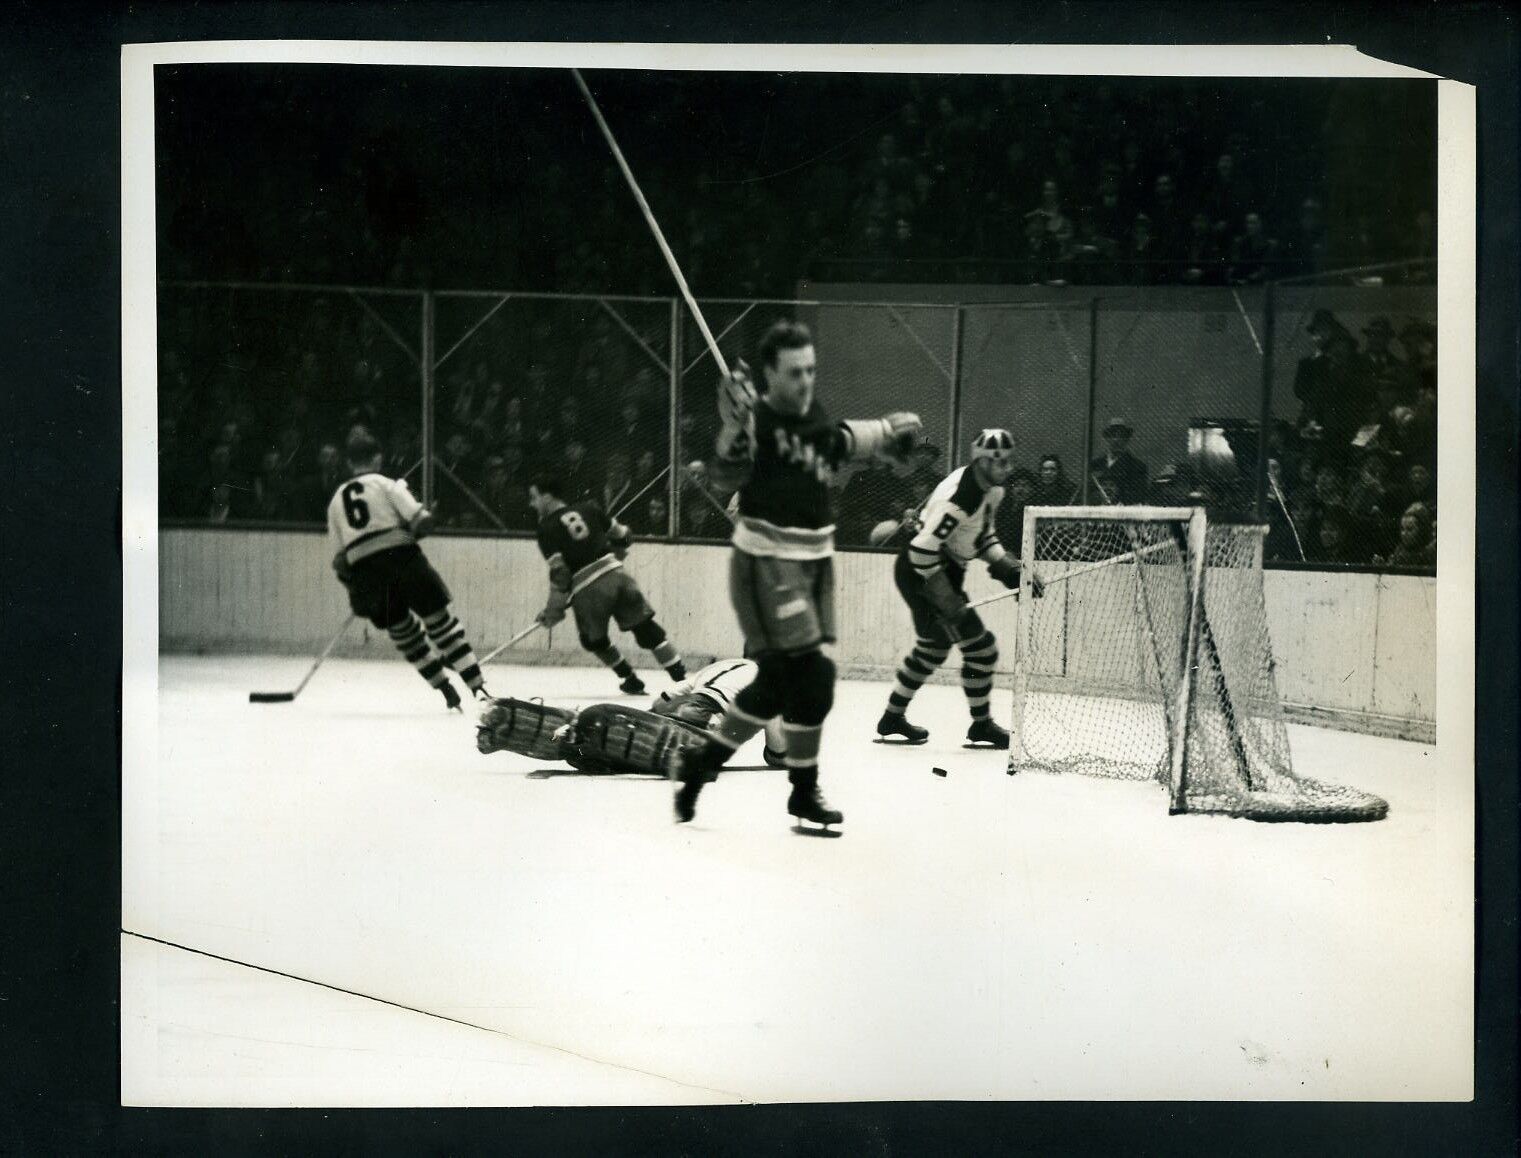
996, 444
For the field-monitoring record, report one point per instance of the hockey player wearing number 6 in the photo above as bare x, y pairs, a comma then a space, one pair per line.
955, 527
375, 522
585, 549
780, 449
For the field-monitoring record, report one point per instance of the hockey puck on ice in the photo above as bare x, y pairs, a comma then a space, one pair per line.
939, 771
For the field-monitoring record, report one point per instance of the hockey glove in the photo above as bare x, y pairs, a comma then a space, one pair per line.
944, 597
736, 400
903, 433
554, 610
1005, 570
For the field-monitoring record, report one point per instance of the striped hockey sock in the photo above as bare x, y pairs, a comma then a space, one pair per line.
413, 644
449, 637
916, 667
978, 659
610, 655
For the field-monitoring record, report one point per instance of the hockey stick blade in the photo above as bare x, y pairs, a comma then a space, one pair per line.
271, 697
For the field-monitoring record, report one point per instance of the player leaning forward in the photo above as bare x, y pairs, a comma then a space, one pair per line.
955, 527
781, 450
375, 522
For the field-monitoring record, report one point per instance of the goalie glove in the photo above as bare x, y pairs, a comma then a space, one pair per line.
943, 596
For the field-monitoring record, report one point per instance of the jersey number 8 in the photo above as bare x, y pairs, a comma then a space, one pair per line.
575, 525
355, 509
947, 525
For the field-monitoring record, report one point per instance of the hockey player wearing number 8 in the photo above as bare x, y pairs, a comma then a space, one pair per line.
585, 549
780, 450
955, 527
374, 523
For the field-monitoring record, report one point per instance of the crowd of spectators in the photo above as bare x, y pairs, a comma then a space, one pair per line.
1021, 179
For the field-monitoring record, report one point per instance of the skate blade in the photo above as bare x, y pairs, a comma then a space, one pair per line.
900, 741
984, 746
816, 830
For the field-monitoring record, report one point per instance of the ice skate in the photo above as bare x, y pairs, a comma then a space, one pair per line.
451, 697
632, 686
807, 803
985, 733
893, 724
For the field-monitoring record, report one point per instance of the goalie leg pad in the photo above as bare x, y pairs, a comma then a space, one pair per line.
614, 738
524, 727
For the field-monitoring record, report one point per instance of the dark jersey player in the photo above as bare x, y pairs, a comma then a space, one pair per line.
781, 449
585, 549
374, 523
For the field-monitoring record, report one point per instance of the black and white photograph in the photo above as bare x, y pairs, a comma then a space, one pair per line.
683, 575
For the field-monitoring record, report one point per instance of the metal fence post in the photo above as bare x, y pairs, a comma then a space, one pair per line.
957, 327
425, 363
673, 423
1093, 324
1270, 311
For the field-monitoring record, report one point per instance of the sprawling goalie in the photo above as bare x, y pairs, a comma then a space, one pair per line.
607, 738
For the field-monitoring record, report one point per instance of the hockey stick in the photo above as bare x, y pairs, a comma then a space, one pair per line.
287, 697
1050, 581
649, 218
665, 470
518, 638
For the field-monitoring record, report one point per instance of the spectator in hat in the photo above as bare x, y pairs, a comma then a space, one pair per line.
1379, 358
1120, 476
1330, 386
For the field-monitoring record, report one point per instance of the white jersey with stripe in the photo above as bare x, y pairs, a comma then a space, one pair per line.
371, 513
956, 523
720, 682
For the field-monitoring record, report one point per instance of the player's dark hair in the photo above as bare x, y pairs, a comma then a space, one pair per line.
783, 335
361, 448
547, 483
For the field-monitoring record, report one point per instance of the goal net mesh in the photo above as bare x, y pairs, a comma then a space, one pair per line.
1113, 679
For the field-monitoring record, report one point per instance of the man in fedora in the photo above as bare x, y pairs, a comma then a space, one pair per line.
1120, 476
1381, 361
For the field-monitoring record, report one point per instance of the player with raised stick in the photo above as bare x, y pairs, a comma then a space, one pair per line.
955, 527
585, 549
375, 523
780, 450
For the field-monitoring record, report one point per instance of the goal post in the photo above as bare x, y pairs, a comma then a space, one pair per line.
1148, 657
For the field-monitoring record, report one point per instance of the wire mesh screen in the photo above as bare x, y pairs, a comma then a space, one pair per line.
577, 387
1355, 393
1177, 402
259, 387
872, 359
1024, 367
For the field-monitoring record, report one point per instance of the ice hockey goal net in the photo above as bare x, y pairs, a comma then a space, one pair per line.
1148, 657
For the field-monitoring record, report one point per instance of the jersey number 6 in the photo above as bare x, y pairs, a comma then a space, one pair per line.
575, 525
355, 509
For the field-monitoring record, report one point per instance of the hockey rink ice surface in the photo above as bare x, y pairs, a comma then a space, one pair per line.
976, 936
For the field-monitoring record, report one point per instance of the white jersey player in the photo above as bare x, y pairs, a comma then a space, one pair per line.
955, 526
374, 523
707, 694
